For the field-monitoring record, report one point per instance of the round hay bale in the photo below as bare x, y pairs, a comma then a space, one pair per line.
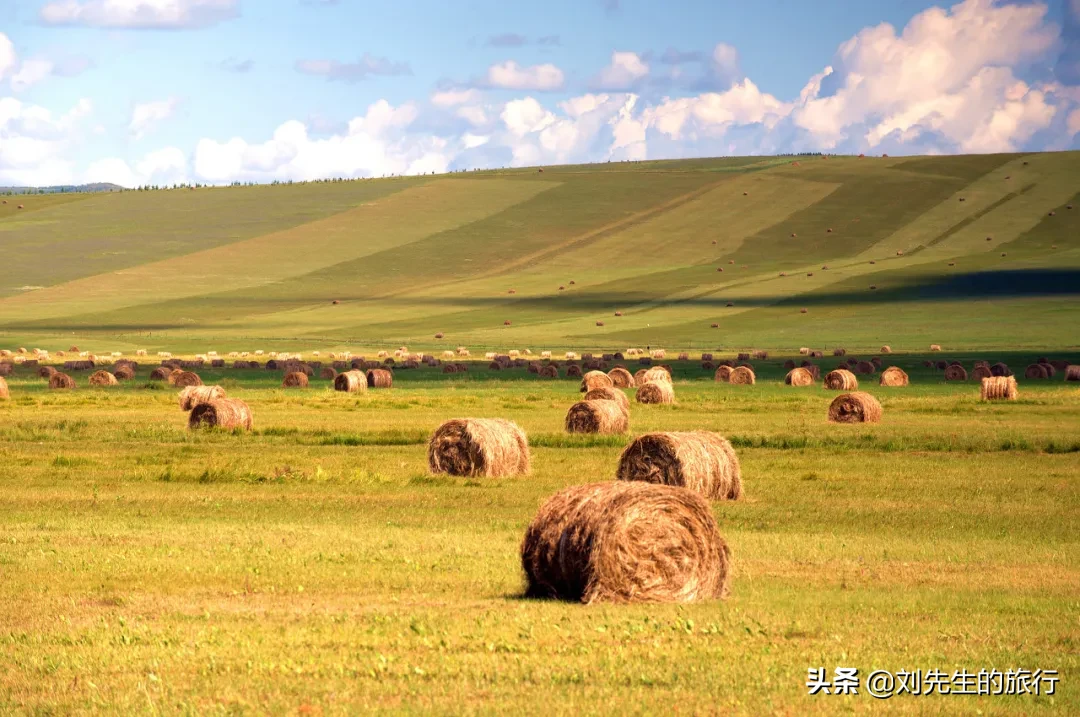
621, 378
448, 368
73, 349
600, 416
702, 461
226, 413
839, 352
858, 407
886, 349
841, 380
893, 376
1000, 369
1072, 373
656, 373
998, 388
490, 447
61, 381
935, 347
495, 366
354, 381
103, 378
941, 365
742, 375
296, 379
328, 373
1036, 371
192, 396
723, 374
185, 378
799, 377
980, 372
124, 373
864, 367
549, 371
4, 392
595, 379
608, 394
380, 378
574, 371
652, 392
625, 542
45, 371
161, 373
639, 376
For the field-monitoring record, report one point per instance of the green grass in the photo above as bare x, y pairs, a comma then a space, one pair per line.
314, 565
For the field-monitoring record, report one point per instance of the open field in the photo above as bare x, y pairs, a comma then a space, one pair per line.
314, 566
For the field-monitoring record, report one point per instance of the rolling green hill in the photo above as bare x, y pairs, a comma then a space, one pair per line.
967, 251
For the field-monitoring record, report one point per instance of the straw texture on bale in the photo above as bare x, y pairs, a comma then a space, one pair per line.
161, 373
857, 407
639, 376
743, 376
124, 373
103, 378
841, 380
1036, 370
61, 380
980, 372
226, 413
574, 371
894, 376
296, 379
625, 543
379, 378
657, 373
702, 461
46, 371
192, 396
608, 394
597, 417
4, 393
328, 373
955, 373
186, 378
998, 388
655, 392
723, 374
549, 371
1072, 373
595, 379
490, 447
354, 381
799, 377
621, 378
1000, 369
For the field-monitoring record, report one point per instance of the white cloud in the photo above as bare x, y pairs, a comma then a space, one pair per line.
524, 116
1073, 123
367, 66
148, 14
452, 98
511, 76
8, 58
30, 73
147, 114
624, 72
34, 145
164, 167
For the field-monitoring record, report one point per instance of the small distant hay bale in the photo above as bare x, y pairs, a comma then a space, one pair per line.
708, 366
46, 371
839, 352
652, 392
488, 447
893, 376
4, 392
573, 371
886, 349
161, 373
706, 357
1000, 369
743, 376
506, 323
73, 349
380, 378
354, 381
955, 373
865, 367
447, 368
1072, 373
621, 378
841, 380
935, 347
804, 351
61, 381
599, 323
857, 407
998, 388
103, 378
744, 357
618, 313
625, 542
941, 365
295, 379
597, 417
549, 371
124, 373
684, 357
383, 354
1036, 371
656, 373
608, 394
186, 378
723, 374
799, 377
980, 372
225, 413
644, 361
595, 379
192, 396
328, 373
702, 461
761, 355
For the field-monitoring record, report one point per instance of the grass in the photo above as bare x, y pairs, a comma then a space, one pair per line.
314, 566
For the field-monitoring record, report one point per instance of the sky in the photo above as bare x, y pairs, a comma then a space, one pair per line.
216, 91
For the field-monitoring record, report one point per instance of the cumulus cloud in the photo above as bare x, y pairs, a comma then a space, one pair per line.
8, 58
538, 78
367, 66
163, 167
625, 71
35, 146
146, 115
139, 14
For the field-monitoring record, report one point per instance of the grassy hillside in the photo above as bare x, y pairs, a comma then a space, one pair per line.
961, 251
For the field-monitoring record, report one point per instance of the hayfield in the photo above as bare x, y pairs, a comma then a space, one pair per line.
314, 565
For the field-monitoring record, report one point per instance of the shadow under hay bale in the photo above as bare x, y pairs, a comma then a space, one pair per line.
894, 376
61, 381
379, 378
226, 413
489, 447
858, 407
608, 394
702, 461
841, 380
652, 392
625, 542
354, 381
186, 378
955, 373
799, 377
742, 376
595, 379
621, 378
192, 396
103, 378
599, 416
998, 388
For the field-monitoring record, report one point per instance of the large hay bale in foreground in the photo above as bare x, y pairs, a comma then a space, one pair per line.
857, 407
379, 378
103, 378
600, 416
4, 393
490, 447
702, 461
192, 396
1072, 373
595, 379
296, 379
354, 381
621, 378
186, 378
608, 394
61, 381
625, 542
955, 373
841, 380
999, 388
227, 413
655, 392
743, 376
799, 377
894, 376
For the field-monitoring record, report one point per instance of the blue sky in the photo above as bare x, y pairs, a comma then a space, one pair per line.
136, 91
